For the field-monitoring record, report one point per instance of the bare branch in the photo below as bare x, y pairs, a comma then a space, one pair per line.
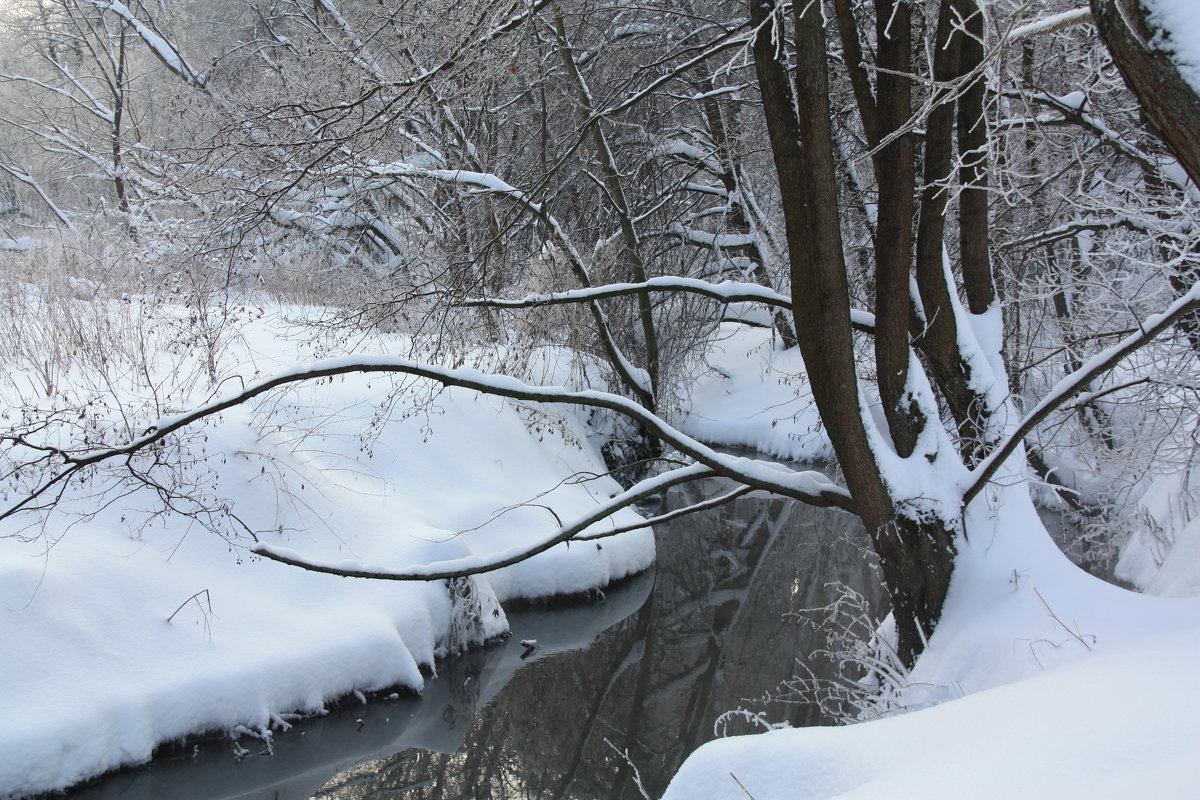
703, 505
1076, 383
476, 564
810, 486
726, 292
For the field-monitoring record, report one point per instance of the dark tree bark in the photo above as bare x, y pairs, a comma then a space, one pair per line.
896, 176
1170, 103
938, 340
916, 552
973, 229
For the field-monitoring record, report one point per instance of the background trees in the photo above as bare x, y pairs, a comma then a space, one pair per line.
499, 179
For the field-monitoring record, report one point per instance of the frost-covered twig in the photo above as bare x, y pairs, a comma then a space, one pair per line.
1076, 383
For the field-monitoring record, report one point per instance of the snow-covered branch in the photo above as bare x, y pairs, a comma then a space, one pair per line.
1078, 382
725, 292
164, 51
476, 563
1050, 24
808, 486
24, 177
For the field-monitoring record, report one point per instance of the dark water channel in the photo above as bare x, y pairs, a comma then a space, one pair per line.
644, 672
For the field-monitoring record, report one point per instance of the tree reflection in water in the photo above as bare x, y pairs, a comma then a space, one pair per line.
715, 632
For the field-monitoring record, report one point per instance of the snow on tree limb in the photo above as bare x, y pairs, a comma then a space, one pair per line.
630, 374
475, 564
810, 486
24, 177
163, 50
1076, 383
1050, 24
726, 292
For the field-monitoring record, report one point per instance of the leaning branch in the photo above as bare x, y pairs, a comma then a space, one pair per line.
725, 292
24, 177
809, 487
475, 564
1076, 383
1050, 24
703, 505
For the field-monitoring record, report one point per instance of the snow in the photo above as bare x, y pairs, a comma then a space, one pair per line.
755, 396
1161, 554
1040, 680
1178, 26
1059, 686
161, 47
123, 630
1050, 23
20, 243
1114, 726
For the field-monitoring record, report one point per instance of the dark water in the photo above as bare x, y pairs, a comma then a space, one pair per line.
617, 691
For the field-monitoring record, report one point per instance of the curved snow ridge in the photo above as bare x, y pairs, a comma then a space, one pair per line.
95, 677
125, 725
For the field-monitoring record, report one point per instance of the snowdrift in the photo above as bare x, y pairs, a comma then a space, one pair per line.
123, 628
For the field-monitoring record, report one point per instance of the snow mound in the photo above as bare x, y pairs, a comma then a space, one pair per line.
1118, 725
1059, 685
123, 629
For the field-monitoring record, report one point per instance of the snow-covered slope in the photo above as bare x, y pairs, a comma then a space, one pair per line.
122, 630
755, 396
1059, 685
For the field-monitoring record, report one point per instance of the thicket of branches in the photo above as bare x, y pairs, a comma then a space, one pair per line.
613, 178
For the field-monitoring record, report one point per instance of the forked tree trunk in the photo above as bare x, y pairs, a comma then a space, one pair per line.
917, 555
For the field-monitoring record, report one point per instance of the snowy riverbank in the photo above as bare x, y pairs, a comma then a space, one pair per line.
123, 629
1040, 681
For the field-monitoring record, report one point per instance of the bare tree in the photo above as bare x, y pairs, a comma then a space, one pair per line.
556, 153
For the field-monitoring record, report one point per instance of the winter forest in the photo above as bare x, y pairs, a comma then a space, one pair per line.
333, 331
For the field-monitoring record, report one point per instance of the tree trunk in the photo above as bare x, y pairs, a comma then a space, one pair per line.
1170, 103
916, 553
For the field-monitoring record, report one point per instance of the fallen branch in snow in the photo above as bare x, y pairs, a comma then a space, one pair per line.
1062, 624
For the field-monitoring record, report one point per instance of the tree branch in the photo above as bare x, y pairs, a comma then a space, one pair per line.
809, 487
726, 292
475, 564
1076, 383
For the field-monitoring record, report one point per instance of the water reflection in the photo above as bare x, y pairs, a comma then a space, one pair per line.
716, 630
617, 692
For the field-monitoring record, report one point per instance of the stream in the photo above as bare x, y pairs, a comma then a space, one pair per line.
617, 691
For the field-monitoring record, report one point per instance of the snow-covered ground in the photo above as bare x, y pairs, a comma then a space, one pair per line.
122, 630
1040, 681
1059, 686
756, 396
